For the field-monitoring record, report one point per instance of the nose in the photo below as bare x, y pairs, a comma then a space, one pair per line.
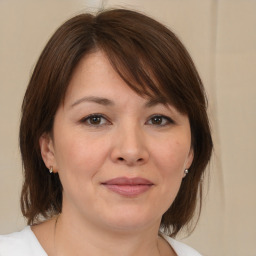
129, 147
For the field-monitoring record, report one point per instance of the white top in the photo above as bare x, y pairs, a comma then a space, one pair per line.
25, 243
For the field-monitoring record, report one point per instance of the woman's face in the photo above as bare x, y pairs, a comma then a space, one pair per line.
120, 157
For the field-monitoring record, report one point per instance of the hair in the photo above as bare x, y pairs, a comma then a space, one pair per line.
152, 61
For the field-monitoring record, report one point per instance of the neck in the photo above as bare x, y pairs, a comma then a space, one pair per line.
81, 238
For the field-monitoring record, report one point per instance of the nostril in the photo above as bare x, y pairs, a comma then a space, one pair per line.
130, 160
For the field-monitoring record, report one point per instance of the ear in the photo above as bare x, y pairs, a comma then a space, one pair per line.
190, 158
189, 161
47, 151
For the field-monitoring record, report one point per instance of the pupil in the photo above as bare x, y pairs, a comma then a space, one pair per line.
157, 120
95, 120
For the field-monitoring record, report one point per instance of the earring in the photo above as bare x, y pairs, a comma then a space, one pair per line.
186, 171
51, 169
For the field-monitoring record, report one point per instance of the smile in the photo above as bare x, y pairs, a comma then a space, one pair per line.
129, 187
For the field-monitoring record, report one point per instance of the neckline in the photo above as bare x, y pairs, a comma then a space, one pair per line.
168, 239
37, 243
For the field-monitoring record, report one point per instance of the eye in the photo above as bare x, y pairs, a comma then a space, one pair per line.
95, 120
160, 120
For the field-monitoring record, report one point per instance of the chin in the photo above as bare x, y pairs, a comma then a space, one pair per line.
131, 221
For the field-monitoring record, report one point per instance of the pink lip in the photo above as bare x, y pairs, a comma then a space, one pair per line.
128, 186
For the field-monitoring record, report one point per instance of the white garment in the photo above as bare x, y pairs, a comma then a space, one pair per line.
25, 243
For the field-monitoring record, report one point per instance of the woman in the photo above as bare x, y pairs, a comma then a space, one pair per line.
114, 138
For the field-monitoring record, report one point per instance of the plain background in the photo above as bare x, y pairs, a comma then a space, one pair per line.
221, 37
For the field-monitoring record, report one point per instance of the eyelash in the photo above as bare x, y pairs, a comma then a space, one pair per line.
100, 116
86, 120
167, 119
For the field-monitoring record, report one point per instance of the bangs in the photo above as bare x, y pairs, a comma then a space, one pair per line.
134, 68
148, 64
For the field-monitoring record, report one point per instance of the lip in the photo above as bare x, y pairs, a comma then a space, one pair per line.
129, 187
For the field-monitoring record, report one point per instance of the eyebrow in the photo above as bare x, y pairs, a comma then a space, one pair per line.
107, 102
155, 101
94, 99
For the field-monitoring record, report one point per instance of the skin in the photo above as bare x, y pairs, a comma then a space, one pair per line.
132, 137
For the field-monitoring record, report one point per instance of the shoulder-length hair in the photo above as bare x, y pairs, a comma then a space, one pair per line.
152, 61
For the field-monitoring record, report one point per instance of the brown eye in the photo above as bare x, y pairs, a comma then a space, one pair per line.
160, 120
96, 120
157, 120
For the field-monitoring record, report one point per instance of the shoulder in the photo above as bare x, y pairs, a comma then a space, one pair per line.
181, 249
23, 243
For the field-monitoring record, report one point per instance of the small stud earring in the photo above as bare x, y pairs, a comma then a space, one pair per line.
186, 171
51, 169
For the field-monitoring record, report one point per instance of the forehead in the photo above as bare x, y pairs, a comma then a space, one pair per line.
95, 75
95, 81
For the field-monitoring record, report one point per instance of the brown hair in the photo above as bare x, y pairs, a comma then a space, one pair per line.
151, 60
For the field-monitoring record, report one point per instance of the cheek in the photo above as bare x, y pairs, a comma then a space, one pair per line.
79, 160
171, 157
169, 161
80, 154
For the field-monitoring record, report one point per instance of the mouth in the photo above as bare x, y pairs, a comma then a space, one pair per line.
128, 187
